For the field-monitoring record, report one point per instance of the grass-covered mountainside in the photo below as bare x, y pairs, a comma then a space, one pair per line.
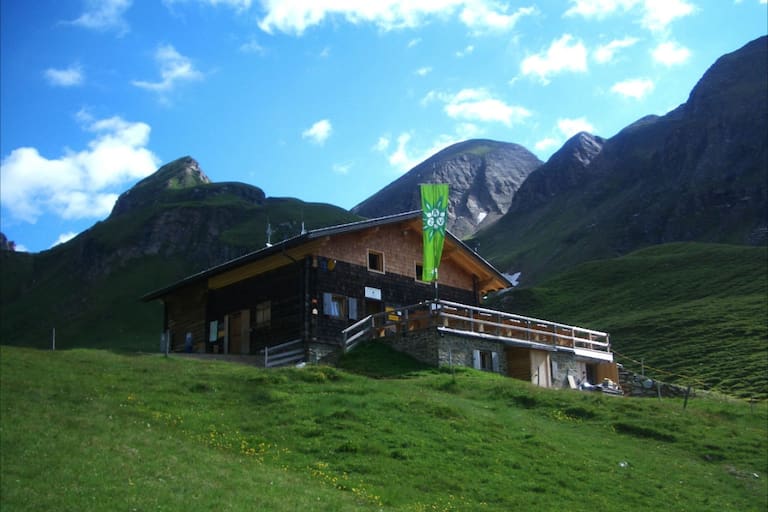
95, 430
694, 313
167, 226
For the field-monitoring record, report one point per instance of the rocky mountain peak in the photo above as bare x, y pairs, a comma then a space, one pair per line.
566, 169
182, 173
578, 150
483, 176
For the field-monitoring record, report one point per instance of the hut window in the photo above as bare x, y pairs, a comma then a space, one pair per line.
376, 261
419, 273
339, 306
263, 314
485, 360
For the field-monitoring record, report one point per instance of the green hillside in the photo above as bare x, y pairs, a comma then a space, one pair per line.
89, 288
694, 313
95, 430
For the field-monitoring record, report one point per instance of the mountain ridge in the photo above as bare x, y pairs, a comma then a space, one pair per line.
697, 173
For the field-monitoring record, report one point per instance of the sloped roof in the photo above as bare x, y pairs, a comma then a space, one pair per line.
320, 233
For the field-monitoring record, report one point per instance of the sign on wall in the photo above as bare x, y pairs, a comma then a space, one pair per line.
372, 293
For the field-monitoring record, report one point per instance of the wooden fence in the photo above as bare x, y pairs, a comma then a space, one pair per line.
464, 319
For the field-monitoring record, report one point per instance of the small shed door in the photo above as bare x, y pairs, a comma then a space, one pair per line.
540, 368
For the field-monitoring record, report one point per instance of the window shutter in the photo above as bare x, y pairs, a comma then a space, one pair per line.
476, 359
352, 306
495, 361
327, 304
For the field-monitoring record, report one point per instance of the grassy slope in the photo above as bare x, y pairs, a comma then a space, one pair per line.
695, 310
49, 289
86, 430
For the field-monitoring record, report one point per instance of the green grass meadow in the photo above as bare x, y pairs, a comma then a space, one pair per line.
694, 314
95, 430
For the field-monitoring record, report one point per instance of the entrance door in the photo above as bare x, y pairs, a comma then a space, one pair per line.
239, 332
235, 337
373, 306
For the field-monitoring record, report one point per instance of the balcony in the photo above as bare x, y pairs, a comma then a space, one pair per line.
471, 321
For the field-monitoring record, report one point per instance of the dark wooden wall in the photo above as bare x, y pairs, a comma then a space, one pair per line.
350, 280
283, 287
185, 312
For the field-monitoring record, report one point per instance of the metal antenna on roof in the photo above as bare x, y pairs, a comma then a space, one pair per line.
303, 229
269, 233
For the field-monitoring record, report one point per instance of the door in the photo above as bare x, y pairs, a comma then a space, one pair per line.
540, 368
373, 306
235, 333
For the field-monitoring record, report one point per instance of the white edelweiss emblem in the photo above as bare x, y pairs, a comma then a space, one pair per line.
434, 218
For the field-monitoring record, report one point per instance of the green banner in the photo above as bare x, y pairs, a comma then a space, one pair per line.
434, 208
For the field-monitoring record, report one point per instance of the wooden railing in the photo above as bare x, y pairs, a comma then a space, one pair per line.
290, 352
464, 319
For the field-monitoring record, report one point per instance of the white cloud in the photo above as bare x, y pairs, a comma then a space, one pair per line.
655, 15
566, 128
77, 184
606, 52
564, 54
466, 51
104, 15
634, 88
424, 71
67, 77
598, 8
342, 169
414, 42
486, 15
670, 53
570, 127
238, 5
252, 46
319, 132
400, 158
660, 13
478, 105
63, 238
296, 16
468, 131
404, 158
174, 68
382, 144
546, 144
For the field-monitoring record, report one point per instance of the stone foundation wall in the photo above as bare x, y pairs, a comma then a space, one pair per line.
634, 384
323, 353
441, 349
566, 364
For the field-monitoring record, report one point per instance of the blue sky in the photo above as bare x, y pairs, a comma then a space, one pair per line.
323, 100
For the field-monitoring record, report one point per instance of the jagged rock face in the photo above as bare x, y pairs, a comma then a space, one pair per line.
565, 170
482, 175
180, 174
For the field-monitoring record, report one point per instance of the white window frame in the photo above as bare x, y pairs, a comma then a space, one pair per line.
380, 254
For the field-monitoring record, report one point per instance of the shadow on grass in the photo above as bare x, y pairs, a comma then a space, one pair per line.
377, 360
